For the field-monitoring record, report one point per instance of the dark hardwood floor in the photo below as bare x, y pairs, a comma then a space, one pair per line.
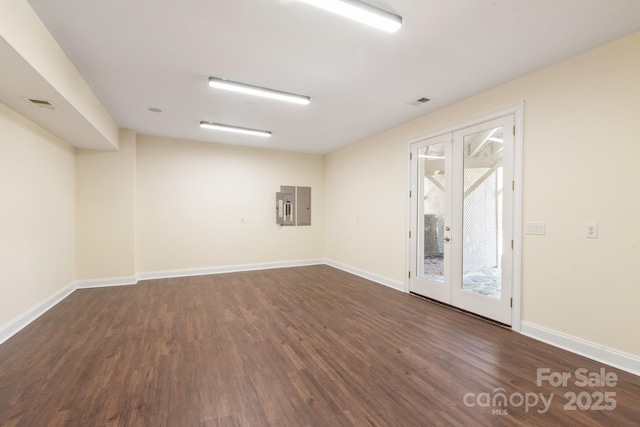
308, 346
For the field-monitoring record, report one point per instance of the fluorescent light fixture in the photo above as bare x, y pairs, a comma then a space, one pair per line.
235, 129
258, 91
361, 12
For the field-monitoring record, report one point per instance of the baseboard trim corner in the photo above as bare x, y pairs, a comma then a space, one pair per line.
617, 359
394, 284
20, 322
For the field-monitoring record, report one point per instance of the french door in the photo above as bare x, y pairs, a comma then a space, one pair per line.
462, 218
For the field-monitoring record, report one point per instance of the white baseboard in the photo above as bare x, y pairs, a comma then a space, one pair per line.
394, 284
617, 359
584, 348
611, 357
103, 283
167, 274
17, 324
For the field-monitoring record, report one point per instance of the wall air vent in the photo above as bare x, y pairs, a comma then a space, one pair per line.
42, 103
419, 102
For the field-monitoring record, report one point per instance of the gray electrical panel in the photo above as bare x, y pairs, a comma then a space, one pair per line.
293, 205
286, 205
304, 205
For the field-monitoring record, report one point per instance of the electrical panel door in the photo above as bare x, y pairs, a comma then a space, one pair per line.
304, 205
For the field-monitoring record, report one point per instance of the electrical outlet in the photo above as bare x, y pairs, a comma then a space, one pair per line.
537, 228
591, 231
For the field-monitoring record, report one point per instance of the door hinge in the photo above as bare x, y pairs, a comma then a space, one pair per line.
409, 275
514, 131
513, 186
409, 234
512, 244
511, 302
410, 156
410, 193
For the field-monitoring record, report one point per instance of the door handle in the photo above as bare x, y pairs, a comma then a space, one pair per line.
447, 239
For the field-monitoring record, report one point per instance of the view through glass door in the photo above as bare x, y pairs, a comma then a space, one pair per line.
462, 217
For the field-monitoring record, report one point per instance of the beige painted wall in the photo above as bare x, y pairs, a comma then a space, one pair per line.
105, 211
365, 196
37, 231
581, 148
191, 197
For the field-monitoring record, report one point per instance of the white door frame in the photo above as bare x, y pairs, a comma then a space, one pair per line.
518, 111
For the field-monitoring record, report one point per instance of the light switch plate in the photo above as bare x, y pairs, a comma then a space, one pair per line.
538, 228
591, 231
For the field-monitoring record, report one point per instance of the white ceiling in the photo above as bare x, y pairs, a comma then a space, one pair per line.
138, 54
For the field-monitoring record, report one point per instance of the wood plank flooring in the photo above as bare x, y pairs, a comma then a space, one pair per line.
307, 346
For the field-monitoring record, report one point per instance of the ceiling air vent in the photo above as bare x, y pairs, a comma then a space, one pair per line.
42, 103
419, 102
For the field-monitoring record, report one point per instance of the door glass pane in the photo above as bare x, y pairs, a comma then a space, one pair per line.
482, 213
431, 210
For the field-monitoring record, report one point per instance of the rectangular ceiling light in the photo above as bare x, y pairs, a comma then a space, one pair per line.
258, 91
235, 129
361, 12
